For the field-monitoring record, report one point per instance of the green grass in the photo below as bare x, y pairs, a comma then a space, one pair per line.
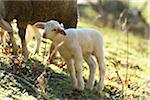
59, 85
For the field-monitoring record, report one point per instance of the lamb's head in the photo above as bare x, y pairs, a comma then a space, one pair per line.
51, 28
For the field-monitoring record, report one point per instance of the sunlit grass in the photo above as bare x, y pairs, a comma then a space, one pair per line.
115, 49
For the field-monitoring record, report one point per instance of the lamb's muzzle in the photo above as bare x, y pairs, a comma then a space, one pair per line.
44, 35
61, 31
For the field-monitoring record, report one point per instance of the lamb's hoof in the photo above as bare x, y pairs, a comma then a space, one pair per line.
73, 94
77, 91
100, 91
81, 85
36, 52
100, 87
76, 94
89, 87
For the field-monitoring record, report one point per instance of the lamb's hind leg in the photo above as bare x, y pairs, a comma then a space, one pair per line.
92, 65
100, 59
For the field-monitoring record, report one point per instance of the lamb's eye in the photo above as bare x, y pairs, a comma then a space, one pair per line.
54, 29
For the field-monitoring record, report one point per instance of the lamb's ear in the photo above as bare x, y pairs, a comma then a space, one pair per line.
40, 25
61, 31
62, 25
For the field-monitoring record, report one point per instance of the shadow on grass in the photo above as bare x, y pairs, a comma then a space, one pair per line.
59, 85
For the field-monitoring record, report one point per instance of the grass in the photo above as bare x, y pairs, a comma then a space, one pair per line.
137, 86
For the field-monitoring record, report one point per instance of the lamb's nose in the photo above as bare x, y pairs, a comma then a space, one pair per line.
44, 35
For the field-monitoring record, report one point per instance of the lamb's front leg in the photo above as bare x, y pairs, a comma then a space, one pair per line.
78, 67
71, 70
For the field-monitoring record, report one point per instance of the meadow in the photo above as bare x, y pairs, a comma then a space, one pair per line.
127, 70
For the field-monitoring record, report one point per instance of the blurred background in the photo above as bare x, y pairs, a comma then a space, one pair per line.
113, 13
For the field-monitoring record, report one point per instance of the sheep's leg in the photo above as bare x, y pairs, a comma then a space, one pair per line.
4, 40
38, 44
25, 51
78, 66
30, 32
38, 37
71, 70
2, 37
14, 45
1, 34
92, 65
100, 59
51, 50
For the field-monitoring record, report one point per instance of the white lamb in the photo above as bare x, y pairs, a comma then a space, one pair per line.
78, 44
33, 31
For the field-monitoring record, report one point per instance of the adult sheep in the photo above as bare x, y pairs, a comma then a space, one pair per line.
30, 11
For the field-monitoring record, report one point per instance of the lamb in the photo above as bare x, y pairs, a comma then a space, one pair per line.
78, 44
31, 31
4, 26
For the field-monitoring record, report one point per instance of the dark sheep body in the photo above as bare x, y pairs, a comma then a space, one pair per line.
32, 11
